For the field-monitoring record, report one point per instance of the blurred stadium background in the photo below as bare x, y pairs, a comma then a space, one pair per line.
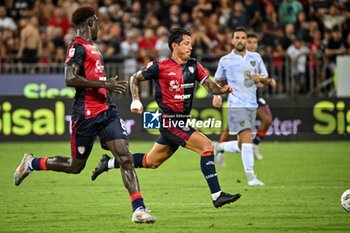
305, 46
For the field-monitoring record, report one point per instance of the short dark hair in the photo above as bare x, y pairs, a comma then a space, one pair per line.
175, 36
252, 35
239, 29
81, 14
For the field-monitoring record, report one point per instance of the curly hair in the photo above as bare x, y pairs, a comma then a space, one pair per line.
175, 36
81, 14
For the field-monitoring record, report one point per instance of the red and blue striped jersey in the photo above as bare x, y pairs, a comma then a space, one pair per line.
88, 102
174, 83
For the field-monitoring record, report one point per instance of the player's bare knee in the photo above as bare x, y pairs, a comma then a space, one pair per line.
75, 166
75, 169
207, 147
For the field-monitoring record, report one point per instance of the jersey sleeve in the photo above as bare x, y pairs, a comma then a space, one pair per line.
151, 71
202, 74
262, 68
220, 72
75, 55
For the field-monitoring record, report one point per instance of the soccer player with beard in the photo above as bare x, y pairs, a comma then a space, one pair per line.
263, 113
243, 70
93, 115
174, 80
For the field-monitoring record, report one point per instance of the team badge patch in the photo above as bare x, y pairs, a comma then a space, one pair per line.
81, 149
253, 63
241, 123
191, 69
71, 53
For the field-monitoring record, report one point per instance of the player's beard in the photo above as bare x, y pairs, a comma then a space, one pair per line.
240, 47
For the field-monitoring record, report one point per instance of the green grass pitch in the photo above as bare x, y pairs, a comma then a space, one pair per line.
304, 182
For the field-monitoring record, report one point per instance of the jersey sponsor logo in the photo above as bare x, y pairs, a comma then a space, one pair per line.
187, 85
191, 69
182, 97
172, 74
81, 149
246, 74
98, 67
174, 85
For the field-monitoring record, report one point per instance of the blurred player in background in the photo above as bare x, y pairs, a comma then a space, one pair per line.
242, 70
175, 82
263, 113
93, 114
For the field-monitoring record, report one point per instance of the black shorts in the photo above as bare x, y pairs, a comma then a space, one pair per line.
107, 125
175, 136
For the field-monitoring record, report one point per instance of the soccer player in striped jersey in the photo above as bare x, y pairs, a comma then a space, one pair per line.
174, 86
93, 115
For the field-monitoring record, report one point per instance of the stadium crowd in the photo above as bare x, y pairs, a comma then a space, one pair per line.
306, 34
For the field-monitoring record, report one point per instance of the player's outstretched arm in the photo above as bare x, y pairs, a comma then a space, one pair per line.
215, 88
73, 79
135, 79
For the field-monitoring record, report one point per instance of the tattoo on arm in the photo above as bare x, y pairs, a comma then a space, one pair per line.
212, 86
134, 84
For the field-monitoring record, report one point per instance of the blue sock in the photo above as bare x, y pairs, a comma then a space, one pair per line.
257, 140
209, 172
137, 203
36, 164
138, 157
136, 200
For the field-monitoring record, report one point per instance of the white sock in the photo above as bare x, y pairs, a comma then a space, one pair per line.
216, 195
111, 163
250, 175
30, 164
248, 158
230, 146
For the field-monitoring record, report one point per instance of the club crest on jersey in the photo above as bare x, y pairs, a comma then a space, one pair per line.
174, 85
241, 123
253, 63
191, 69
81, 149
